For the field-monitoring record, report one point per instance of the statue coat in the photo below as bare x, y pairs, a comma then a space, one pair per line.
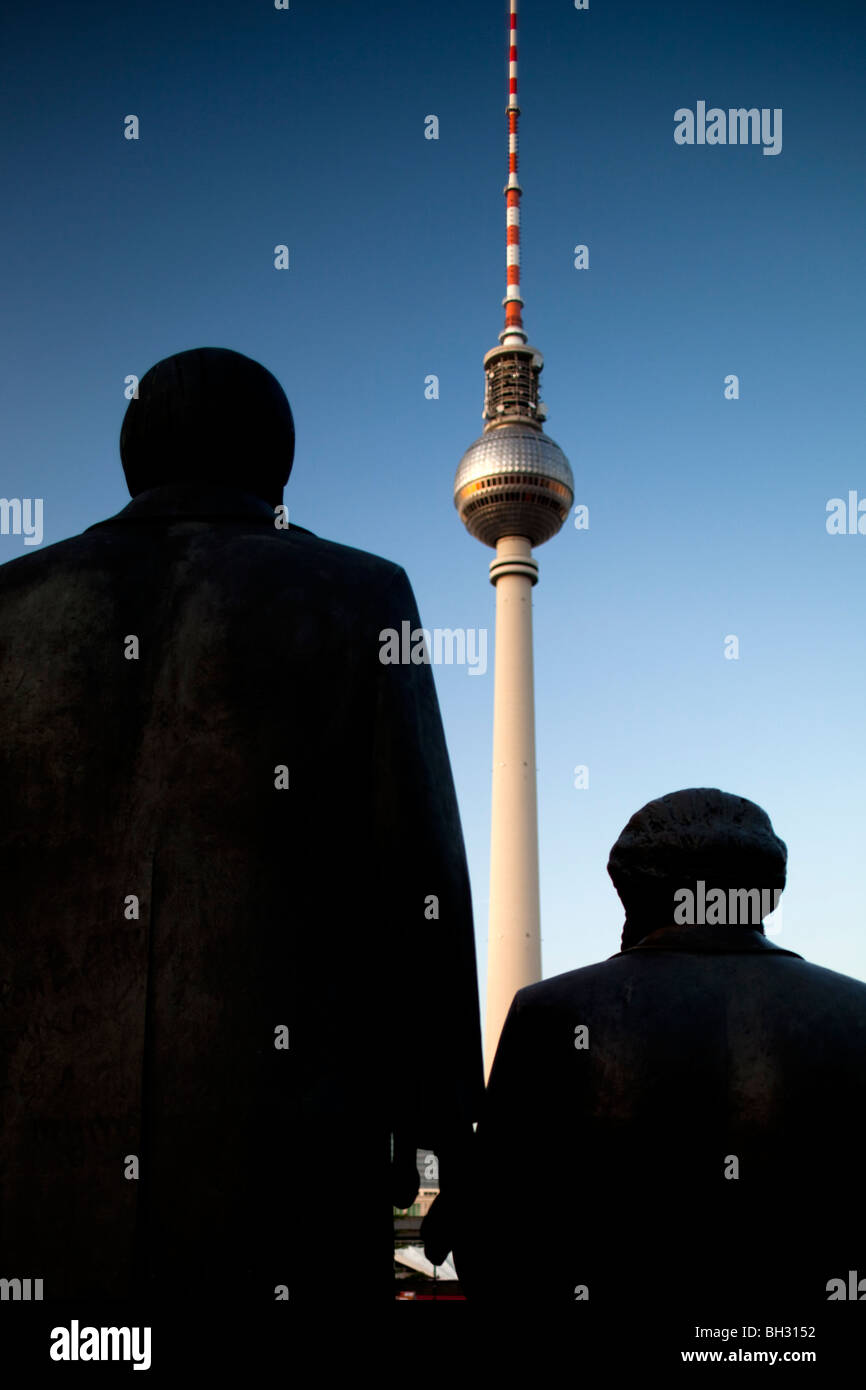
221, 994
674, 1128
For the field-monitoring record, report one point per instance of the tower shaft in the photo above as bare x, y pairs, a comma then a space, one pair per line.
514, 943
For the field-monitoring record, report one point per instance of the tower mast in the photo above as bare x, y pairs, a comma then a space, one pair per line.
513, 490
513, 331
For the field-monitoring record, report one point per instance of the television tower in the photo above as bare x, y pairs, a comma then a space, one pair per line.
513, 490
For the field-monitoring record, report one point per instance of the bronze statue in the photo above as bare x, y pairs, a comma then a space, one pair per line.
675, 1128
226, 824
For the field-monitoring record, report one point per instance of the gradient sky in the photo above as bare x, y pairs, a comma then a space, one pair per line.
707, 516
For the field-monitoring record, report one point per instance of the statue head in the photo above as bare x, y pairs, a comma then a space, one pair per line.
209, 415
701, 835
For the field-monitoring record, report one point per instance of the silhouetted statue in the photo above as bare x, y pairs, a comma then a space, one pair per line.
232, 863
676, 1127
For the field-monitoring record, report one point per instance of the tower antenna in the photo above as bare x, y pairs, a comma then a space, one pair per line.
513, 331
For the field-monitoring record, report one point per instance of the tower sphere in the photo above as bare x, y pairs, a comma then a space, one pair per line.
513, 481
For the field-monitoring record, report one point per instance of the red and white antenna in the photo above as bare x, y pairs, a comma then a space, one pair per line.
513, 332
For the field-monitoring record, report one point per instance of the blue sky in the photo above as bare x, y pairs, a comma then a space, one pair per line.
707, 516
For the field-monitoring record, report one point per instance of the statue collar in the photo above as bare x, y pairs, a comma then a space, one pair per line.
195, 502
714, 940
